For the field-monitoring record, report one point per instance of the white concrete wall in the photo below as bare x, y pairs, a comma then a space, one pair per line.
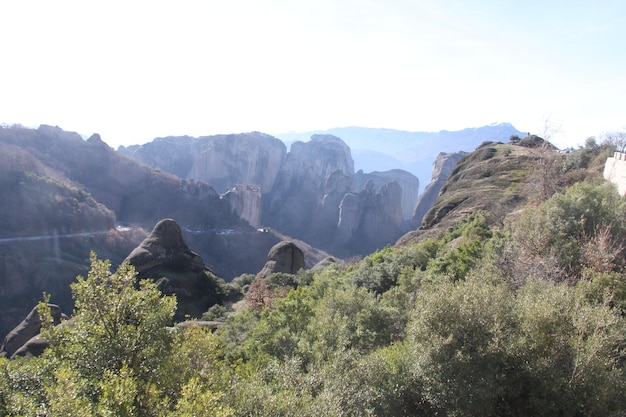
615, 171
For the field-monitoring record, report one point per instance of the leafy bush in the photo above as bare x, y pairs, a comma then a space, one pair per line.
570, 230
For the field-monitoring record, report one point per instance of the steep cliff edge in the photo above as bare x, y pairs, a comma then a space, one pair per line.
408, 182
494, 178
165, 257
220, 160
442, 168
297, 193
301, 183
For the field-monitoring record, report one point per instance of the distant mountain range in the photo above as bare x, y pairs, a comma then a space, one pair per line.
385, 149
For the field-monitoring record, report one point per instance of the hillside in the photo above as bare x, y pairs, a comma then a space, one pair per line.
62, 196
509, 301
495, 179
500, 178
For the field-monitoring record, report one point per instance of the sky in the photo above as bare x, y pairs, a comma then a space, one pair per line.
135, 70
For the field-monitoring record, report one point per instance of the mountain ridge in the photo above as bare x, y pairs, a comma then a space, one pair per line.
416, 151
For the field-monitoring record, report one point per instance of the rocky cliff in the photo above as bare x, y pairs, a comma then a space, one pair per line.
442, 168
220, 160
495, 178
296, 193
408, 182
368, 219
301, 183
247, 202
165, 257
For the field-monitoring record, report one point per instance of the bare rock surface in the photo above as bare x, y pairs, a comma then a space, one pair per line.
284, 257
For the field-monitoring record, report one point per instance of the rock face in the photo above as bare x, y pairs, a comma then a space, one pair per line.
165, 247
246, 201
26, 331
298, 193
165, 257
368, 219
221, 160
301, 182
241, 166
442, 168
284, 257
408, 182
252, 158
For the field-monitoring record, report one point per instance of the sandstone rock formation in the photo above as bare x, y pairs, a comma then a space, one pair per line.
296, 193
408, 182
323, 224
252, 158
165, 247
442, 168
246, 201
33, 347
301, 182
329, 260
368, 219
284, 257
170, 154
165, 257
27, 330
220, 160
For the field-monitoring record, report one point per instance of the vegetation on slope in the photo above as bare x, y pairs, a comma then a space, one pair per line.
513, 318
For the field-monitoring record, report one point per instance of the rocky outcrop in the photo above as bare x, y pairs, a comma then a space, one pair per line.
296, 193
369, 219
239, 166
284, 257
314, 199
165, 257
165, 247
171, 154
246, 201
442, 168
408, 182
32, 348
26, 332
221, 160
324, 222
301, 183
251, 158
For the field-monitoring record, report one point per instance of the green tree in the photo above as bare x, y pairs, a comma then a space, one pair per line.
117, 337
571, 231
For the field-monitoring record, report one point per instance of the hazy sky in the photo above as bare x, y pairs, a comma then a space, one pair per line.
135, 70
